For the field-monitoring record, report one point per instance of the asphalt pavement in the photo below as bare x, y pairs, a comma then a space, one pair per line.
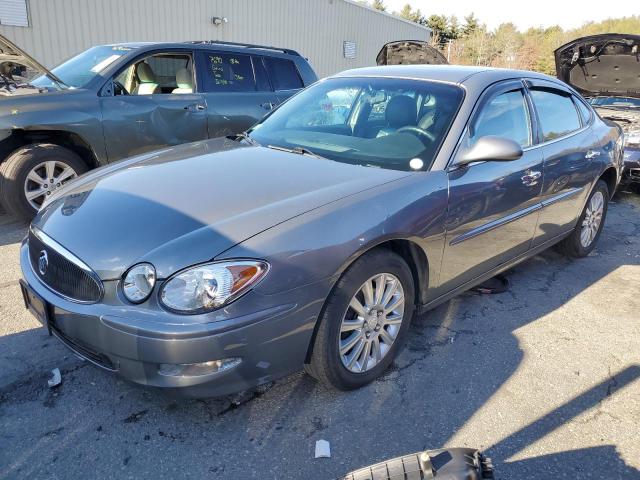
545, 378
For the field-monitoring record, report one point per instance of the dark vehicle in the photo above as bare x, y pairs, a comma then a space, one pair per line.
314, 238
114, 101
445, 464
606, 69
410, 52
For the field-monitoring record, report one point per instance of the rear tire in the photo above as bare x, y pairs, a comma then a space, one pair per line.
383, 324
587, 231
32, 159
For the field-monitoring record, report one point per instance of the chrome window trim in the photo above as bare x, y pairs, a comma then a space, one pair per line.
56, 247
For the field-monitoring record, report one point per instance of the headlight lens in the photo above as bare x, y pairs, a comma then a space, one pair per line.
632, 138
139, 282
210, 286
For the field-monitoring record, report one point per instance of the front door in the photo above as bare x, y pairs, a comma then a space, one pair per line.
494, 205
154, 104
236, 89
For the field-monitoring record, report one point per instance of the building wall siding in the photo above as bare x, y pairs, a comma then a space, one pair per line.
316, 28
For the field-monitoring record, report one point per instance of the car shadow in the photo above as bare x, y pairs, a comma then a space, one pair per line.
459, 358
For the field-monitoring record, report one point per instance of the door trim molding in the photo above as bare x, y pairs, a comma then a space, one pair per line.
495, 224
561, 196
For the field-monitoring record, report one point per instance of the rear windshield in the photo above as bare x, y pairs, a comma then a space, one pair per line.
379, 122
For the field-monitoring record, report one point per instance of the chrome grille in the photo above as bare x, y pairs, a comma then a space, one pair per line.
63, 273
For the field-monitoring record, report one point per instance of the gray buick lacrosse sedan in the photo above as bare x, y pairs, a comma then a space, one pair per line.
314, 238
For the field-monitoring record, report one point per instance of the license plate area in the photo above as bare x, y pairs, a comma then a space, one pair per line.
35, 304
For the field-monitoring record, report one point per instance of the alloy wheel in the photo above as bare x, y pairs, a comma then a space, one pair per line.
371, 323
44, 179
592, 219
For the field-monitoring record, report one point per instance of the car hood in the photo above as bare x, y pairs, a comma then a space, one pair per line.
187, 204
11, 56
410, 52
604, 64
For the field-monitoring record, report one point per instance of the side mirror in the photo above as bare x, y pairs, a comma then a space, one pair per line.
491, 149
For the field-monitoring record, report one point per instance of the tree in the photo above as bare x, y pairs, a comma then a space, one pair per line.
379, 5
409, 14
471, 24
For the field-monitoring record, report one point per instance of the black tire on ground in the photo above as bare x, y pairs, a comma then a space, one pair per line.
325, 364
14, 171
572, 246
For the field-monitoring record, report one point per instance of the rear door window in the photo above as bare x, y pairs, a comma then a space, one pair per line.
556, 112
283, 73
228, 72
585, 112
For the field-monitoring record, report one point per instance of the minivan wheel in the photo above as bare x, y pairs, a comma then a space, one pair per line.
585, 235
32, 173
364, 322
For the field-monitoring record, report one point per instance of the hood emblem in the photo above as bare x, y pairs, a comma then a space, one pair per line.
43, 262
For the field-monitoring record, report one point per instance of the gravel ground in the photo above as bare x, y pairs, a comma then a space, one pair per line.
544, 378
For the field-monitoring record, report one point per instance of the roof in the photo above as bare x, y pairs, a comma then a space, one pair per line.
218, 44
457, 74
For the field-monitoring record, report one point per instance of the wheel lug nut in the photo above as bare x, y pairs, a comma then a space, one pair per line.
46, 185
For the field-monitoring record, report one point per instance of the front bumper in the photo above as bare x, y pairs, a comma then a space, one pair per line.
631, 172
271, 340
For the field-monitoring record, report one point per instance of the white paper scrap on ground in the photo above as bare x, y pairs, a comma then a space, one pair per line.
323, 449
56, 379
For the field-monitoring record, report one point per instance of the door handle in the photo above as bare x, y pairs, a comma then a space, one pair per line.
195, 107
531, 177
268, 105
592, 154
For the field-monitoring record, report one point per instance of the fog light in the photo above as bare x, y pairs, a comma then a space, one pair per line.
197, 369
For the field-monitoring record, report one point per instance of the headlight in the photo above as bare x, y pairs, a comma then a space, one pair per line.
207, 287
139, 282
632, 138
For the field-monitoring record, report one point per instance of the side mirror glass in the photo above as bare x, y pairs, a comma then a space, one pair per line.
491, 149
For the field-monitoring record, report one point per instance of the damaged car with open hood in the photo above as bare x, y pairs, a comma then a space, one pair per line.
606, 69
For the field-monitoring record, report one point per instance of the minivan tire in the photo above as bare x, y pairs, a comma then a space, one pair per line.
572, 246
325, 363
14, 171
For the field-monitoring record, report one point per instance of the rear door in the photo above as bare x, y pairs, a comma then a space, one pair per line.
237, 91
144, 111
493, 206
570, 153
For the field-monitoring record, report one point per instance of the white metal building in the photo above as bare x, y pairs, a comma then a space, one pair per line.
334, 34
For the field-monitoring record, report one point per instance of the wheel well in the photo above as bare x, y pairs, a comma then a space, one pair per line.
69, 140
418, 263
610, 177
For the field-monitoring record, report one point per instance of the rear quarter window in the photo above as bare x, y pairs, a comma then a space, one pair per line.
283, 73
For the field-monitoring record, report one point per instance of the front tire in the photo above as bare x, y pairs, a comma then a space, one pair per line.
587, 231
32, 173
364, 322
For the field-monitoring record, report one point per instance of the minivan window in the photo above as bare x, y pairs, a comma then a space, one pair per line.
333, 119
506, 116
557, 113
283, 73
228, 72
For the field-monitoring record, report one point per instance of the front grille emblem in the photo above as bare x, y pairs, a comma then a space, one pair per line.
43, 262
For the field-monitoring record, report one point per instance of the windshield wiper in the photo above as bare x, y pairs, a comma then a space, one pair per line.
243, 136
297, 150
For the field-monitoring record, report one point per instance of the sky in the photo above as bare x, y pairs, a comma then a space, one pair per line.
545, 13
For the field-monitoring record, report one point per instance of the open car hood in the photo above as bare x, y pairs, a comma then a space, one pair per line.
410, 52
607, 64
14, 61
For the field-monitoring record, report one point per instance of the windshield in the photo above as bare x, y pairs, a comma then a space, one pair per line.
380, 122
81, 69
615, 101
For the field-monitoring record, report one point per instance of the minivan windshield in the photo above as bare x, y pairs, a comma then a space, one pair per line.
81, 69
380, 122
